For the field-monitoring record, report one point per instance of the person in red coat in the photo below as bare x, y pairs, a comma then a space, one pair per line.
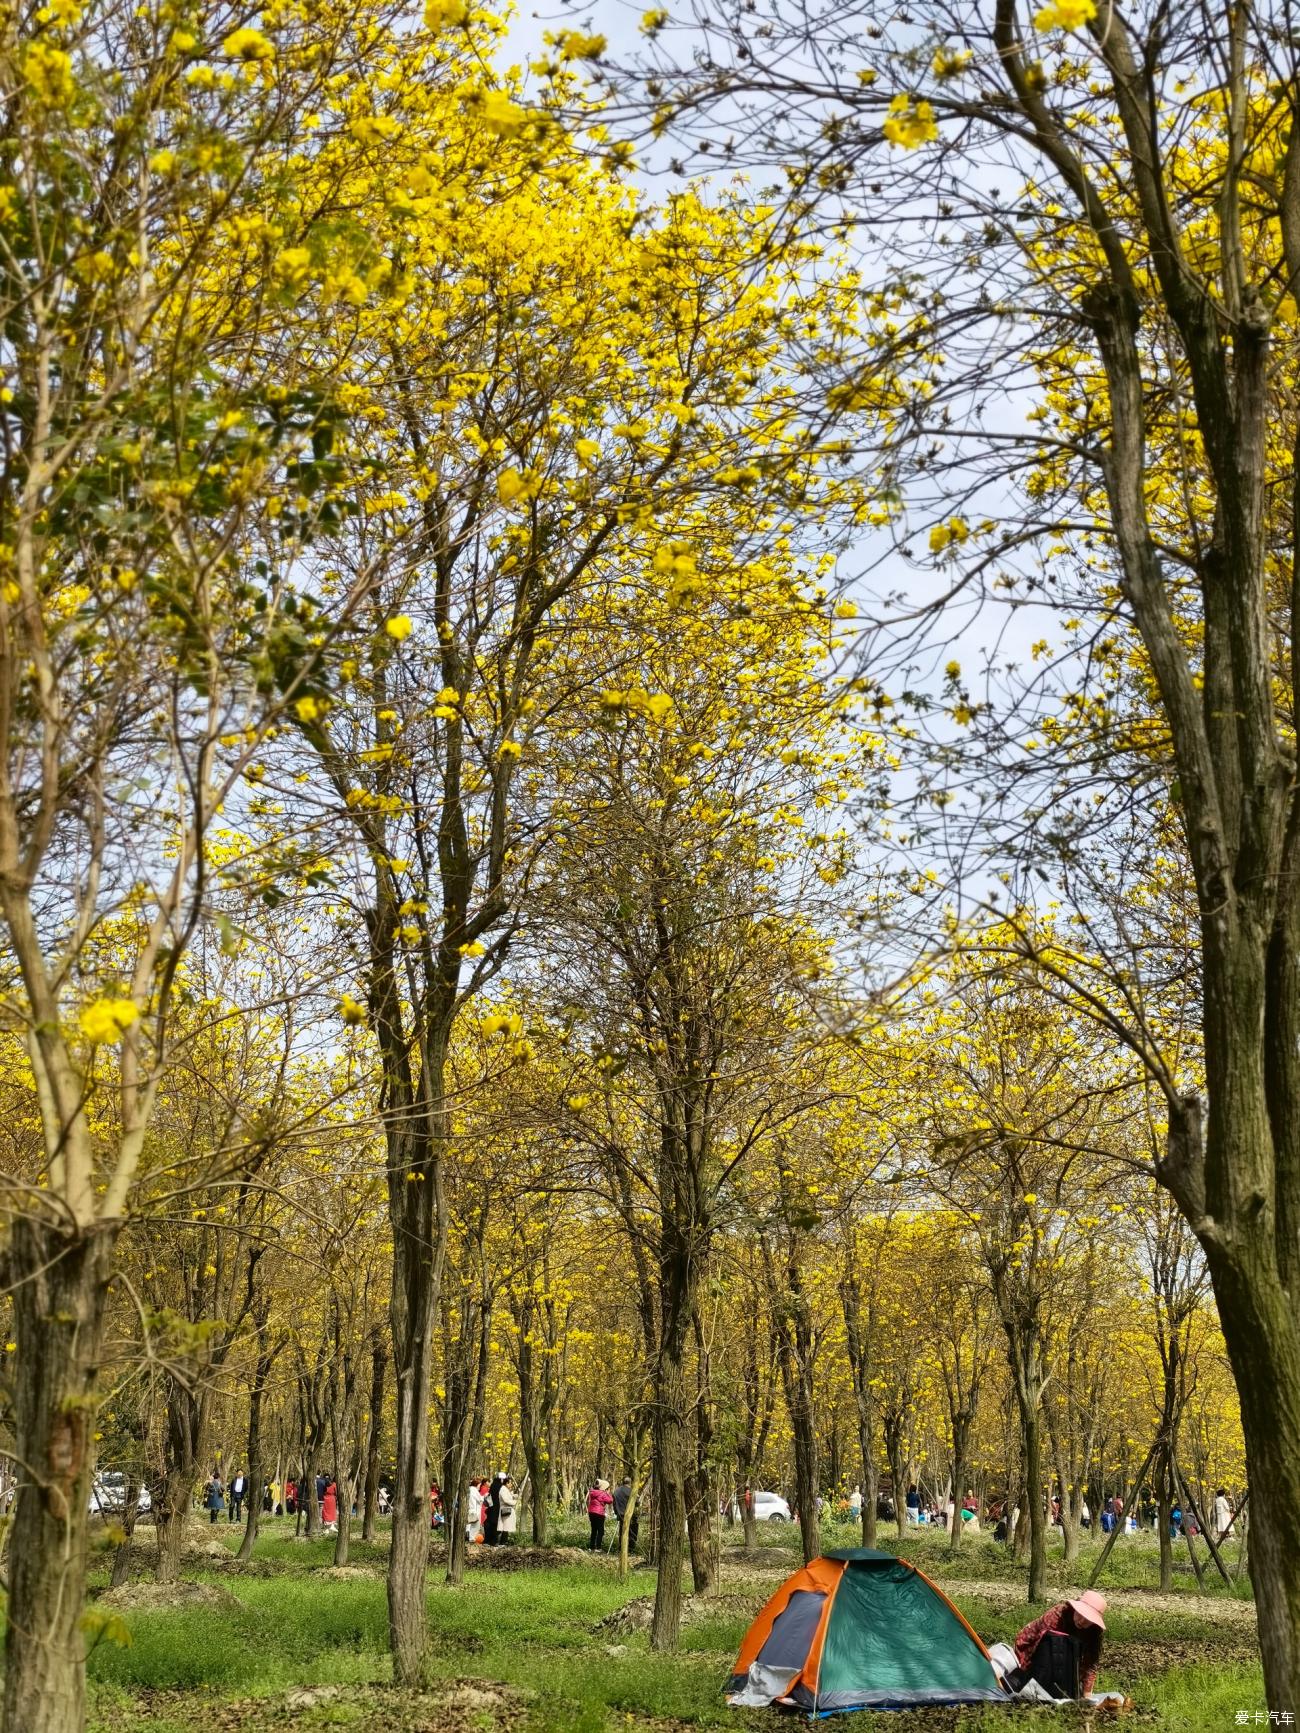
1080, 1619
329, 1509
600, 1502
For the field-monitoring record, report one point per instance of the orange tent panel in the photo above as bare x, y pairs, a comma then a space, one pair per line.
820, 1577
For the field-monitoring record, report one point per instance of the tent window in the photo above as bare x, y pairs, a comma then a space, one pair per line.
793, 1628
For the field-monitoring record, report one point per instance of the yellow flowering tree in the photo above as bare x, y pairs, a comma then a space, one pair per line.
160, 422
560, 403
699, 806
1110, 218
1021, 1129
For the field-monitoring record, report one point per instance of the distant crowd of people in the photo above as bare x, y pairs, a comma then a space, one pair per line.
492, 1508
1003, 1516
277, 1500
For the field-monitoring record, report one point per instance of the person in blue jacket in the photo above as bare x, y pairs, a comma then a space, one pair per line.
214, 1498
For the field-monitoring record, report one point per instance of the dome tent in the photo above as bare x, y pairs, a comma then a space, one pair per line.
861, 1630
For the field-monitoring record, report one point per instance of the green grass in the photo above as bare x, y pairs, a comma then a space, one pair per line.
1187, 1666
1199, 1697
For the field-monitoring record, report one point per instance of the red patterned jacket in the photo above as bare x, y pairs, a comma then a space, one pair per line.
1061, 1618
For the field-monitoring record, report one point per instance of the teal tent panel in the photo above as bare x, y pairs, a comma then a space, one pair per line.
892, 1640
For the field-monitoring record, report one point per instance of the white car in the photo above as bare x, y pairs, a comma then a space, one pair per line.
108, 1495
768, 1507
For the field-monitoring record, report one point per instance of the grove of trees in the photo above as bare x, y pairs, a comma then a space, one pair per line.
637, 810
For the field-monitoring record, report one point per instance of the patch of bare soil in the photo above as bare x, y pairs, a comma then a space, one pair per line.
1136, 1660
207, 1551
344, 1573
635, 1615
222, 1562
456, 1706
472, 1703
760, 1561
1210, 1609
167, 1597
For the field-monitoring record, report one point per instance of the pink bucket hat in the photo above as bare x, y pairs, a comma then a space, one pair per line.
1090, 1606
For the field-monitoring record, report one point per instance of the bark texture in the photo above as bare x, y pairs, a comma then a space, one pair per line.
59, 1287
378, 1375
467, 1343
256, 1450
796, 1347
670, 1444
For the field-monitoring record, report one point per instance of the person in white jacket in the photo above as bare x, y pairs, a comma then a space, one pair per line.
509, 1518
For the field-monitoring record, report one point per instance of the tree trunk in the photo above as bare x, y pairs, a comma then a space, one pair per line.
414, 1138
343, 1416
758, 1403
669, 1447
625, 1527
1164, 1528
184, 1441
465, 1371
1264, 1347
256, 1466
1069, 1530
894, 1453
256, 1472
796, 1345
169, 1518
701, 1530
378, 1372
859, 1342
343, 1536
1238, 1182
1019, 1311
805, 1482
539, 1472
457, 1540
536, 1341
702, 1486
870, 1484
1069, 1496
960, 1428
311, 1386
670, 1497
1020, 1538
58, 1285
866, 1412
130, 1514
412, 1309
748, 1521
1031, 1448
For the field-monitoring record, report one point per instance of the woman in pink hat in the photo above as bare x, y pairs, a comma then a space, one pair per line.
1081, 1623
